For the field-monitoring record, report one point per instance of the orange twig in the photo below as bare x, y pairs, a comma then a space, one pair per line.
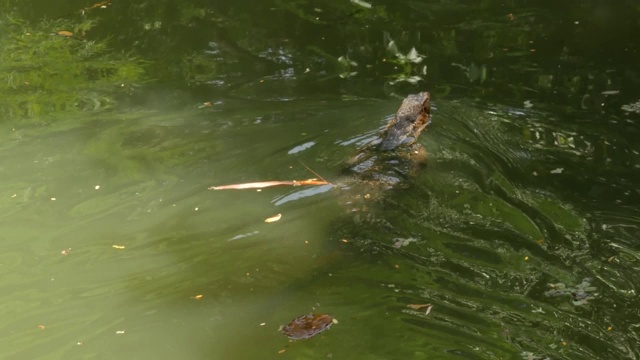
313, 172
264, 184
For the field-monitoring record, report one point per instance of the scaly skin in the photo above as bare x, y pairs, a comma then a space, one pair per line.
389, 161
411, 118
396, 154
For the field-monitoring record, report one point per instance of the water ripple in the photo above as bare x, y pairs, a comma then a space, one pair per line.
500, 249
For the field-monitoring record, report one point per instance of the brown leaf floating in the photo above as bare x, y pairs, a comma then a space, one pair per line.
307, 326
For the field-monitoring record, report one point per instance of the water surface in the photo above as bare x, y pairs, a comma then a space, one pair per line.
521, 230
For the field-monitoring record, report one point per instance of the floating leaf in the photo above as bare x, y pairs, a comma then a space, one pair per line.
428, 307
273, 218
64, 33
102, 5
307, 326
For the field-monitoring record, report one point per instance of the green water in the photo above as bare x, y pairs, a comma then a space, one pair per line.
521, 231
139, 181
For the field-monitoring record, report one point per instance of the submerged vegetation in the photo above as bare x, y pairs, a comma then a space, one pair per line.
52, 68
363, 48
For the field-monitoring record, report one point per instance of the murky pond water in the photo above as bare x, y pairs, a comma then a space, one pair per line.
517, 240
113, 244
110, 233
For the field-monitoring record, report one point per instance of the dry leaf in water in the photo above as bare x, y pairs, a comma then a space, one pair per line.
273, 218
428, 307
307, 326
64, 33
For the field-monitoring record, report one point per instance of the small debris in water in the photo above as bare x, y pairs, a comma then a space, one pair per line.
64, 33
119, 332
400, 242
428, 307
243, 236
198, 297
97, 187
273, 218
118, 247
41, 327
580, 294
557, 171
66, 252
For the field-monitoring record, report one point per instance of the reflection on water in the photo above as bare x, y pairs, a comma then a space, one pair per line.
510, 265
518, 259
